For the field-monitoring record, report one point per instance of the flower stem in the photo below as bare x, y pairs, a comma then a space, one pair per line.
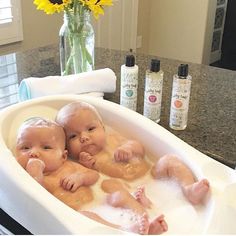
78, 31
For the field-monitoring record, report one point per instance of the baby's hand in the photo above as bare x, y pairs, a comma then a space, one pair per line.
35, 168
71, 182
87, 160
123, 153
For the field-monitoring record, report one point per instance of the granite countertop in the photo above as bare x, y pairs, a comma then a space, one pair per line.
211, 125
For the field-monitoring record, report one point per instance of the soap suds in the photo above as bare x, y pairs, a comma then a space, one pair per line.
167, 199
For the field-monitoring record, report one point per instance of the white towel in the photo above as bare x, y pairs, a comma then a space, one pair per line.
101, 81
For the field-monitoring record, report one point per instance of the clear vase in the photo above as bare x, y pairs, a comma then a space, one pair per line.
76, 42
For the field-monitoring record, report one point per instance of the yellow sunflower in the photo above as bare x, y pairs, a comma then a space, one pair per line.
52, 6
96, 6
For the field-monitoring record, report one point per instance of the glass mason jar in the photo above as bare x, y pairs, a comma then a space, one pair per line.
76, 42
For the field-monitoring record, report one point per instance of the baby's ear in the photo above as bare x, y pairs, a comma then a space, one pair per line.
65, 155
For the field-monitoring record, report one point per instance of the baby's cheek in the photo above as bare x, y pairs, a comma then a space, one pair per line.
74, 150
104, 142
22, 160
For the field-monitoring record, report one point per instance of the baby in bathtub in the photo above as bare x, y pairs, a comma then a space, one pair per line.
112, 154
40, 150
92, 146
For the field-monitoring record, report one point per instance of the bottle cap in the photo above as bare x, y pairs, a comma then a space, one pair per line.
183, 70
130, 60
155, 65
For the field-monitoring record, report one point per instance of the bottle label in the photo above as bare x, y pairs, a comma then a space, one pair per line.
129, 86
180, 103
152, 97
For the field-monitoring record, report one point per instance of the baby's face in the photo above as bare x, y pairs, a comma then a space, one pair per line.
44, 143
84, 133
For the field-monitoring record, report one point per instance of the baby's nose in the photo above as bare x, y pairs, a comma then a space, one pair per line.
84, 137
34, 153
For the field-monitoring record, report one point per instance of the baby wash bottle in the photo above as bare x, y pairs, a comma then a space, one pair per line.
129, 83
180, 98
153, 91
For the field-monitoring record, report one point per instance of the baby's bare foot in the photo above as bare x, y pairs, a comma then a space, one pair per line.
141, 197
158, 225
141, 226
196, 192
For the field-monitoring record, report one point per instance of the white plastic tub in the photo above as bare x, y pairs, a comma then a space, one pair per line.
41, 213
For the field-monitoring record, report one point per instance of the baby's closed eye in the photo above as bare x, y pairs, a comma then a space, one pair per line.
71, 136
91, 128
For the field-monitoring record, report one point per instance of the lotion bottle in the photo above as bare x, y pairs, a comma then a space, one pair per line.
153, 91
129, 83
180, 98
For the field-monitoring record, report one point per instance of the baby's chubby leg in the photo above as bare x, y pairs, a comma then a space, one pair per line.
169, 166
142, 225
124, 199
120, 197
113, 185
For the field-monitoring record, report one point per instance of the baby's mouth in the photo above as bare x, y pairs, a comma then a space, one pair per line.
87, 147
90, 148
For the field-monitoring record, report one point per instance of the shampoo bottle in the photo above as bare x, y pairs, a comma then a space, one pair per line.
180, 98
153, 91
129, 83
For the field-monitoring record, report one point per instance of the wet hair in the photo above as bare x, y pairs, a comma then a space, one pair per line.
72, 108
39, 122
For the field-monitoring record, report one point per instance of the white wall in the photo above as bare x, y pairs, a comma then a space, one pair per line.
144, 25
117, 28
39, 29
180, 29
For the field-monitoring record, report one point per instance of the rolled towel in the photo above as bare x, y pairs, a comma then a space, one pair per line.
101, 81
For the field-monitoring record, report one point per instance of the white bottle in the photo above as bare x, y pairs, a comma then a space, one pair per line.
129, 83
180, 98
153, 91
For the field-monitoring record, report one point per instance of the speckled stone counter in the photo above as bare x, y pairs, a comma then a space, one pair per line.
211, 125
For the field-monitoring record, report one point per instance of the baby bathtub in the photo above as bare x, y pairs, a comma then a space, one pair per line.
41, 213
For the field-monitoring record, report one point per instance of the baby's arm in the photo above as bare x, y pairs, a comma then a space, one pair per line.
128, 150
82, 177
35, 168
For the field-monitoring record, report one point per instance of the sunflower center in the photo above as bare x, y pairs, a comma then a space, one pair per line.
56, 1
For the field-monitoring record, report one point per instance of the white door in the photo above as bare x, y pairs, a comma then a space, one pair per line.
117, 28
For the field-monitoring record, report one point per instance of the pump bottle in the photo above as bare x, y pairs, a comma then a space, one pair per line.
129, 83
180, 98
153, 91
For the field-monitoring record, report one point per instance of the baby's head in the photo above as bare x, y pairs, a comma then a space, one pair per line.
84, 128
42, 139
